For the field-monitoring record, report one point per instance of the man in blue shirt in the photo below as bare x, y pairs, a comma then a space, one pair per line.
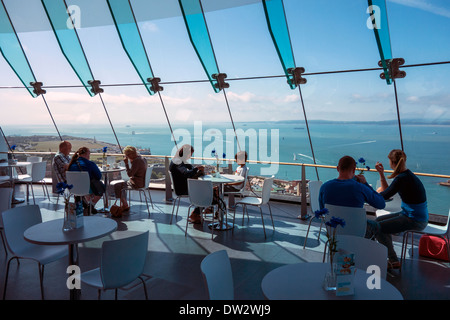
349, 190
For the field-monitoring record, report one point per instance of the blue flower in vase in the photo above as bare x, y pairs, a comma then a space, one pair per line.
105, 149
362, 161
13, 147
213, 152
321, 213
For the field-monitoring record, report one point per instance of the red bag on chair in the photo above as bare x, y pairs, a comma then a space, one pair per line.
433, 247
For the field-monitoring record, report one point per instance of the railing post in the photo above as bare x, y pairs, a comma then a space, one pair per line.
167, 180
304, 205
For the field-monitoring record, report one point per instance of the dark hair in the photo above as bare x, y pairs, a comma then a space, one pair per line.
77, 154
346, 163
245, 155
180, 152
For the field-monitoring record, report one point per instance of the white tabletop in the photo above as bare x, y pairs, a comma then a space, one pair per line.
111, 170
223, 178
50, 232
17, 164
303, 281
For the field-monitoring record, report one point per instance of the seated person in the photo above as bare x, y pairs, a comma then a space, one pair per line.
61, 161
181, 171
136, 173
80, 162
241, 170
350, 191
414, 214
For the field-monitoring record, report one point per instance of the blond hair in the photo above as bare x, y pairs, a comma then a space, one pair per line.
129, 149
398, 158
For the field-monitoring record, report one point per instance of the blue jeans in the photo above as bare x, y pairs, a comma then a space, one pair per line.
395, 223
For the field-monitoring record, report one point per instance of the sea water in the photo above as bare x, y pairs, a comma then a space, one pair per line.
427, 146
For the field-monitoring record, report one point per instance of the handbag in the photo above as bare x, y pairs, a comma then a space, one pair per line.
116, 210
433, 247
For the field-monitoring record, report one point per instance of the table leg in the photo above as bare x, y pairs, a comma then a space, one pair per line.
221, 225
73, 260
105, 196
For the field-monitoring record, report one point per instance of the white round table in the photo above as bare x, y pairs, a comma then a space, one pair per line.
10, 167
303, 281
221, 180
106, 173
51, 233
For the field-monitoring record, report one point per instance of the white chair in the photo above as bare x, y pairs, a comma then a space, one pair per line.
16, 221
392, 206
240, 192
355, 221
430, 229
5, 204
122, 262
177, 198
314, 188
200, 195
258, 202
37, 175
218, 276
32, 159
367, 252
81, 184
148, 176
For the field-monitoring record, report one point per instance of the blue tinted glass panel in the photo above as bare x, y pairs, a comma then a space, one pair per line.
12, 51
278, 28
130, 38
198, 33
378, 17
68, 40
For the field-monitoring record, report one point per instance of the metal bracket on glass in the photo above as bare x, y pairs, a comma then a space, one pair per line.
95, 84
393, 67
155, 84
220, 78
296, 74
38, 88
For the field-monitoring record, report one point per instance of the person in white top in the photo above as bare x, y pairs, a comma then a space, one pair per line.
241, 170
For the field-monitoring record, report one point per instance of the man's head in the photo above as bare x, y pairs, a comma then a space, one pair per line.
65, 147
346, 167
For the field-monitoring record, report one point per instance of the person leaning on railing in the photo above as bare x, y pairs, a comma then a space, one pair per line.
414, 214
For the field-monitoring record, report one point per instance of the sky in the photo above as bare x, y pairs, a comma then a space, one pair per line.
326, 36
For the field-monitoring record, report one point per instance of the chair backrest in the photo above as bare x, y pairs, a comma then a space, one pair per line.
314, 188
32, 159
245, 180
367, 252
110, 160
123, 260
38, 170
5, 201
200, 192
148, 176
80, 181
123, 173
218, 276
266, 190
15, 222
355, 219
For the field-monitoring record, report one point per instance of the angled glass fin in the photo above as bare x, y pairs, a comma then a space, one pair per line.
276, 21
128, 31
68, 40
199, 36
13, 53
378, 21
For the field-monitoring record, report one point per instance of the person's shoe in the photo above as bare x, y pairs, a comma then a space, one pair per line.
195, 218
394, 265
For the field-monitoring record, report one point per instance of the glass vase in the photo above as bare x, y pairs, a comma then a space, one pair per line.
67, 226
329, 282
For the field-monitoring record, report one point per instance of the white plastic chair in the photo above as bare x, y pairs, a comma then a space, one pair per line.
16, 221
81, 184
148, 176
37, 175
122, 262
258, 202
218, 276
430, 229
200, 195
240, 192
5, 204
177, 197
355, 221
314, 188
367, 252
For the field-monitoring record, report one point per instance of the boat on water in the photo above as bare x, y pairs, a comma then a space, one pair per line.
446, 184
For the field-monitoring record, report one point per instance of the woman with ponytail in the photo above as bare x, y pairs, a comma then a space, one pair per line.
414, 214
